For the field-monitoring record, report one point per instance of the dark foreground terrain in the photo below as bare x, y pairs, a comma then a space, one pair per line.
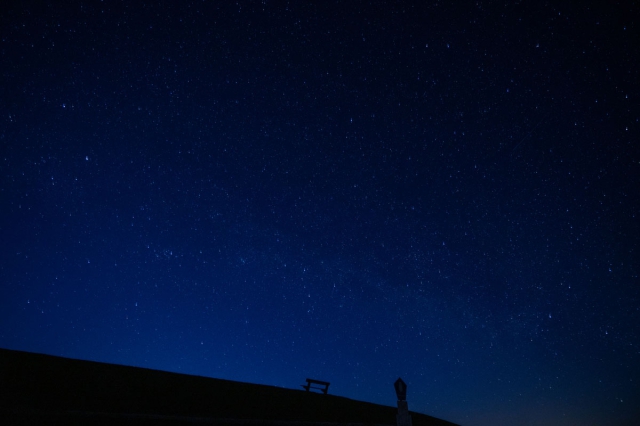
49, 390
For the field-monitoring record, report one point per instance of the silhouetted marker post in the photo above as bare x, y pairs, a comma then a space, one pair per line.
402, 418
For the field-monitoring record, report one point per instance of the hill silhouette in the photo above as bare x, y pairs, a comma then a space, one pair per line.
45, 389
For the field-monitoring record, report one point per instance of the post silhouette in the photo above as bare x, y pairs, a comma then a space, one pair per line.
403, 418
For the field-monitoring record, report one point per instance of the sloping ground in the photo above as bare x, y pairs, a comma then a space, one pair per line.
43, 389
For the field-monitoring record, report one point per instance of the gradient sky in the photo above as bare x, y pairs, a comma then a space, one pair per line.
351, 191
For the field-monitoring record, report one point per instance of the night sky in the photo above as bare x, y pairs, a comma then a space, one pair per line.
352, 191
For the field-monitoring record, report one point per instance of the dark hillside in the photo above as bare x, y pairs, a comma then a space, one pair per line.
53, 390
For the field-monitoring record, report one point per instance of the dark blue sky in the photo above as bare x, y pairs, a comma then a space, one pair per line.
350, 191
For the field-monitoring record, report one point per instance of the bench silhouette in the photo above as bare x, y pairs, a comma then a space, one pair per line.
322, 386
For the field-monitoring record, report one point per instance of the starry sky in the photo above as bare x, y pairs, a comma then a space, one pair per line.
352, 191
